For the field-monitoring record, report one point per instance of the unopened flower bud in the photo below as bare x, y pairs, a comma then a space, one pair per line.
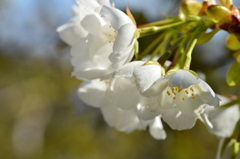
190, 7
219, 14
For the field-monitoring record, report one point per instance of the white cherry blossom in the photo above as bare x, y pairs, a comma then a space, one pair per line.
123, 47
181, 97
73, 30
222, 121
97, 93
102, 39
124, 108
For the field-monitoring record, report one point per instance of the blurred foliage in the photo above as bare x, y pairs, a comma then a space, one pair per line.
34, 89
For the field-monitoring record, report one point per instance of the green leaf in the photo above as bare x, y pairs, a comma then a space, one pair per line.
232, 42
233, 74
205, 37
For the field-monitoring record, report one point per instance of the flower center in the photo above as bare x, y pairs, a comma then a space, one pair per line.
111, 34
183, 93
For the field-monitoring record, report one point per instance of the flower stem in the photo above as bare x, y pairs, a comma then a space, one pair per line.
151, 46
161, 47
190, 48
154, 29
230, 104
159, 23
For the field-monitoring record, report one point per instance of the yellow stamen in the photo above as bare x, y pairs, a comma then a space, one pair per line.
174, 97
182, 98
168, 93
191, 89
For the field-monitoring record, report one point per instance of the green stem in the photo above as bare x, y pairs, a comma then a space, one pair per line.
189, 50
178, 47
161, 47
151, 46
154, 29
159, 23
230, 104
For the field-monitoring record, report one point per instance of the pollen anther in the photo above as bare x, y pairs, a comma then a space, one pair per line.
168, 93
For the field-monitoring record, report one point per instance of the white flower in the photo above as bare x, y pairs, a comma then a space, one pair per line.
123, 48
144, 73
122, 109
101, 37
222, 121
128, 120
181, 97
134, 117
73, 30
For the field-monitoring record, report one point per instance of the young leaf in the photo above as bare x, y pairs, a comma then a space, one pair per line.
233, 74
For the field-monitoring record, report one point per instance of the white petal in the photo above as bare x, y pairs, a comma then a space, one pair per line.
92, 92
156, 129
146, 75
177, 121
122, 57
88, 71
122, 120
223, 120
190, 106
152, 103
157, 87
75, 11
91, 4
207, 95
124, 37
182, 79
116, 17
92, 23
81, 49
128, 69
71, 31
104, 2
145, 113
123, 93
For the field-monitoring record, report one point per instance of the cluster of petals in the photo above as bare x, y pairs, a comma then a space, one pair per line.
122, 105
181, 97
101, 37
131, 95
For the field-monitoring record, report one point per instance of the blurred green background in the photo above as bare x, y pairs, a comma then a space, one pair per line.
40, 113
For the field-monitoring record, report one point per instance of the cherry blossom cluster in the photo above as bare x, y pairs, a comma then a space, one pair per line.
137, 91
